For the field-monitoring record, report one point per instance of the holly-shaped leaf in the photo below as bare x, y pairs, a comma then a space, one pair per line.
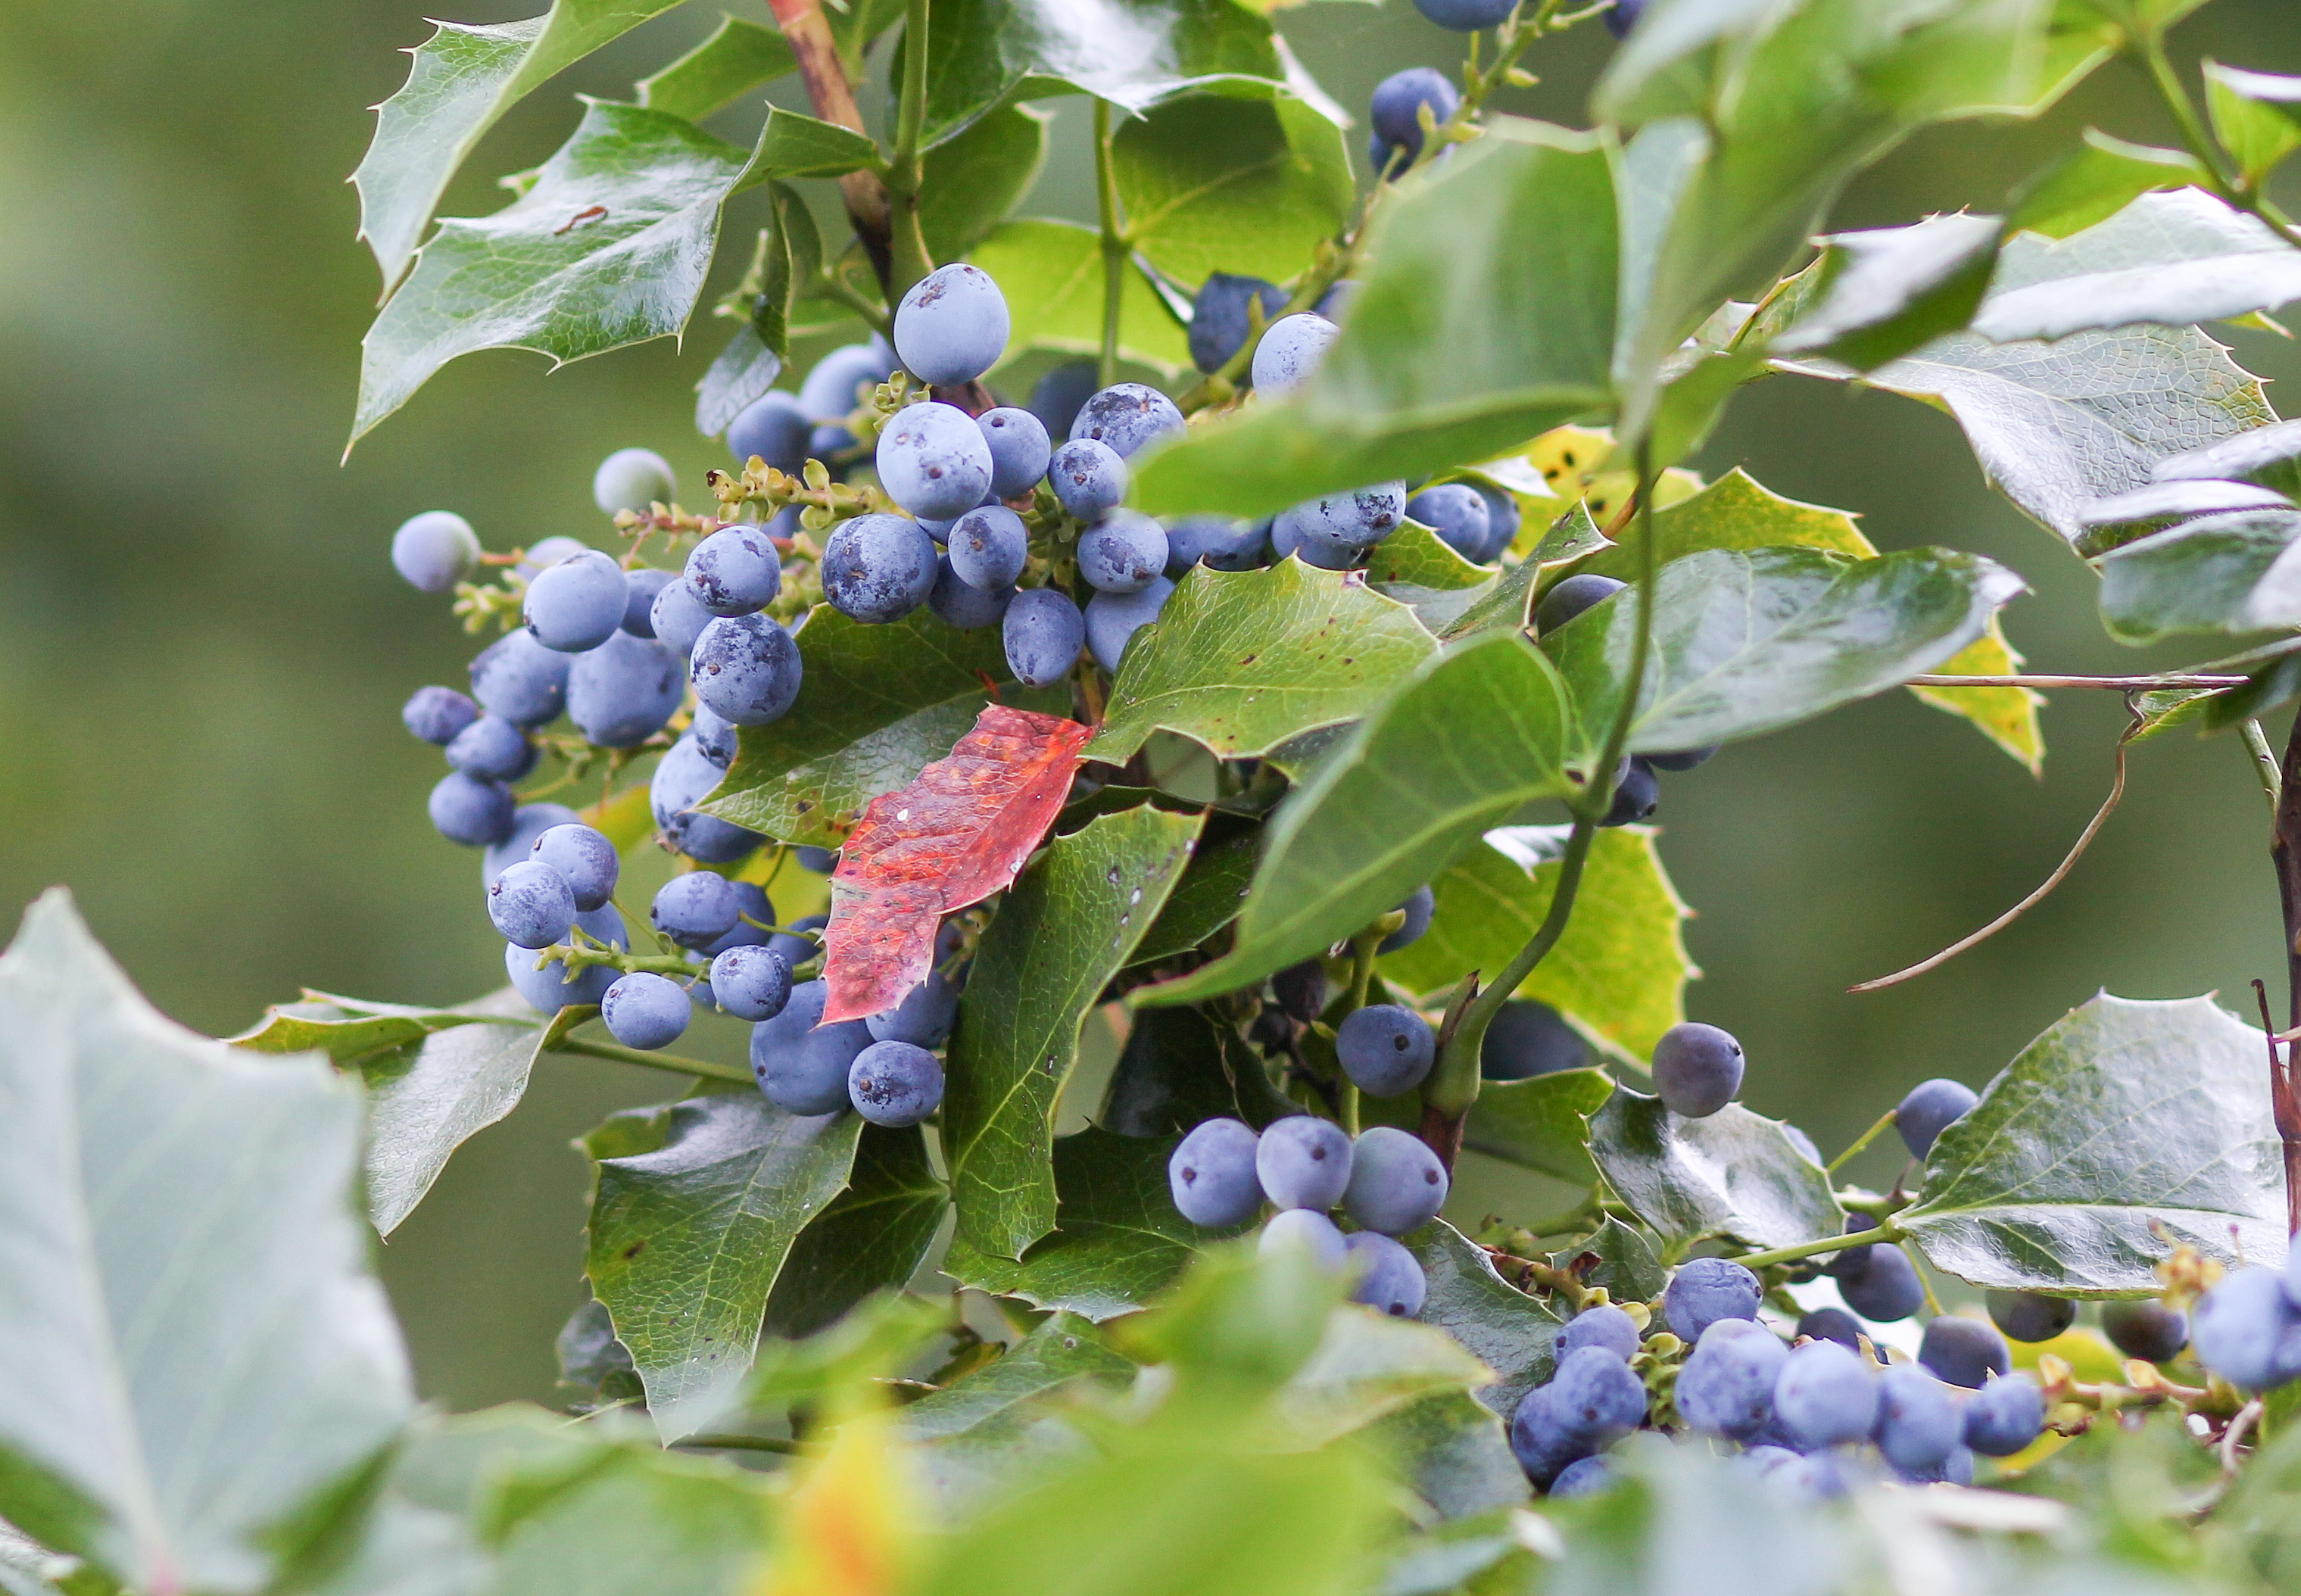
197, 1361
1733, 1173
1510, 1332
740, 56
1069, 925
1213, 182
961, 832
348, 1028
2127, 1129
873, 1237
2097, 181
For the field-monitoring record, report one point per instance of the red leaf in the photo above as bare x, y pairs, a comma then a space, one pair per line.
953, 836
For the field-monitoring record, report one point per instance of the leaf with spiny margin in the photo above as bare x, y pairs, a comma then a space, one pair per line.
1451, 1451
347, 1028
1884, 292
974, 181
1618, 972
463, 77
2096, 182
793, 145
1213, 182
1732, 1174
2127, 1129
1241, 661
1132, 53
1471, 738
1066, 928
1623, 1262
1060, 1351
2173, 259
1510, 1332
1486, 315
686, 1242
817, 803
855, 680
1117, 1240
1420, 570
1505, 604
2256, 115
873, 1237
198, 1364
1366, 1365
1052, 277
741, 55
2219, 573
1748, 641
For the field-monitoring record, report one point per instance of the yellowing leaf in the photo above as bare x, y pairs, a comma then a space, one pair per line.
850, 1527
2006, 716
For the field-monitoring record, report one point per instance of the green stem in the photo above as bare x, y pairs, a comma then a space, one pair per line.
743, 1444
2264, 762
1114, 244
1864, 1140
834, 287
2148, 49
1884, 1235
618, 1053
906, 171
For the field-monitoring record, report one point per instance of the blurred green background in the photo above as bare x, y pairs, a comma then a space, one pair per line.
203, 647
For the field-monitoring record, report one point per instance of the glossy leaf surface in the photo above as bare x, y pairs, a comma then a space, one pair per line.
1733, 1174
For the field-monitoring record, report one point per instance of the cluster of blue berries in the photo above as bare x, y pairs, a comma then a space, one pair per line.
1813, 1414
2248, 1326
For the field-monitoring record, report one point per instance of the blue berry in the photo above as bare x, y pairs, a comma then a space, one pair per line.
435, 551
1396, 111
1019, 446
1624, 16
1585, 1476
1128, 416
1832, 1325
821, 861
1683, 760
1850, 1263
683, 779
800, 948
989, 547
894, 1083
677, 618
1544, 1443
878, 568
951, 327
715, 734
583, 858
438, 714
1456, 513
1385, 1049
746, 668
2027, 1316
493, 749
800, 1063
1220, 322
539, 557
1349, 524
1572, 597
1058, 396
1308, 1230
1704, 1291
735, 571
1388, 1278
751, 904
1292, 349
1303, 1162
528, 823
772, 429
924, 1016
1112, 618
548, 989
962, 605
622, 692
751, 982
531, 904
521, 679
645, 1010
1931, 1108
1466, 16
1088, 478
2005, 1415
697, 909
1886, 1288
1637, 792
1697, 1069
1420, 905
1595, 1398
2151, 1331
1124, 552
1503, 517
1826, 1396
1397, 1183
577, 604
1043, 633
642, 586
470, 812
1528, 1039
1211, 1175
2247, 1330
834, 389
633, 479
1918, 1426
1224, 544
1604, 1326
1726, 1384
